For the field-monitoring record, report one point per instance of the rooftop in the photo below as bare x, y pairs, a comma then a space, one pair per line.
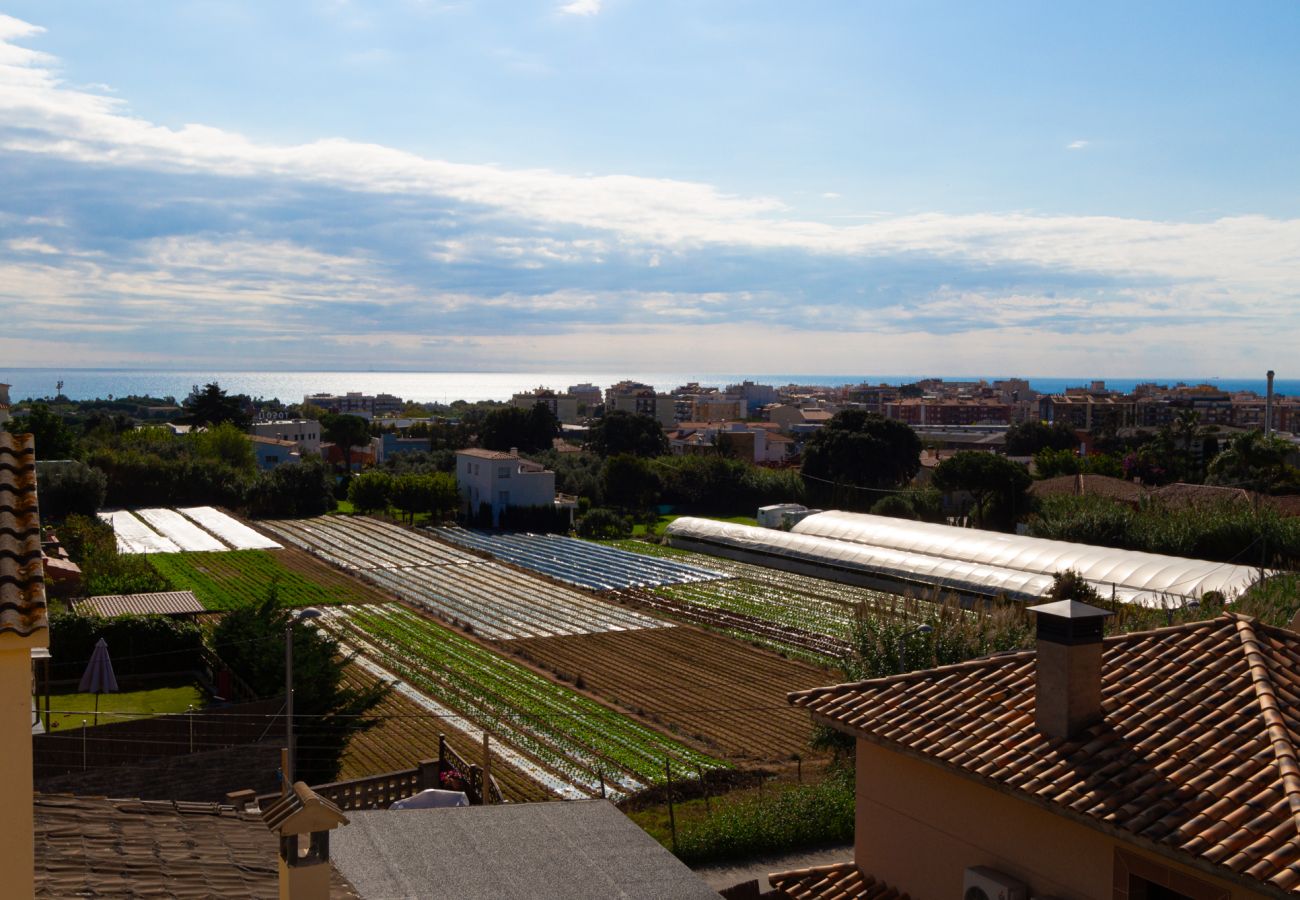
576, 850
842, 881
22, 578
1196, 756
95, 847
479, 453
163, 603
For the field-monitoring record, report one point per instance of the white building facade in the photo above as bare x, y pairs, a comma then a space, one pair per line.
501, 480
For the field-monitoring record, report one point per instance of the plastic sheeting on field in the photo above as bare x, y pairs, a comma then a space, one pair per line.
1147, 573
134, 536
179, 530
861, 564
229, 529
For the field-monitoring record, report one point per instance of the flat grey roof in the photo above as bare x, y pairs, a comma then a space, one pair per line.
575, 850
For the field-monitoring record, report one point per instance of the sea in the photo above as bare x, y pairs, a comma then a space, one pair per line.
445, 387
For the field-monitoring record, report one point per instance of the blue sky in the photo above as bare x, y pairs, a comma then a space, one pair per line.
909, 188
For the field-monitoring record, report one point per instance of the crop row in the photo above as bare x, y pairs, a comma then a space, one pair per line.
574, 737
226, 580
497, 602
359, 542
581, 563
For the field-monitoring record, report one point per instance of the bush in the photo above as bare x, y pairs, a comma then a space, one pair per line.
895, 506
603, 524
371, 491
716, 485
93, 546
137, 645
302, 489
790, 818
67, 487
541, 519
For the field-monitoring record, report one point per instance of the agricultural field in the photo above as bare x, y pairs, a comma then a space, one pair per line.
781, 610
196, 528
409, 733
458, 587
560, 738
225, 580
581, 563
363, 543
716, 690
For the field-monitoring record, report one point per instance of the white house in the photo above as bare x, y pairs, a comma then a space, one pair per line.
502, 480
303, 432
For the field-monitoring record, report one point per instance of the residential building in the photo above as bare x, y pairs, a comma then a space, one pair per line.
642, 399
305, 433
355, 403
393, 444
744, 440
501, 481
1086, 410
923, 411
717, 408
797, 419
589, 397
1158, 764
271, 452
754, 396
1211, 406
563, 406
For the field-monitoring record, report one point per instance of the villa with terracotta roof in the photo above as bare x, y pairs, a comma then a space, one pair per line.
1160, 764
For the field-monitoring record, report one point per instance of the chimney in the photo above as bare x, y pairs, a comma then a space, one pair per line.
1268, 407
514, 451
303, 819
1068, 694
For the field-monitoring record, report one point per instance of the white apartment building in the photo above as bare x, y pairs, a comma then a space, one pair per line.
303, 432
563, 406
502, 480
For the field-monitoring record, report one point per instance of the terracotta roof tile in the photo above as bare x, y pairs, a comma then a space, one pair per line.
22, 577
841, 881
1197, 751
94, 847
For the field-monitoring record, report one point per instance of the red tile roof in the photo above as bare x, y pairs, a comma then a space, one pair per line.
1098, 485
1196, 756
842, 881
22, 577
94, 847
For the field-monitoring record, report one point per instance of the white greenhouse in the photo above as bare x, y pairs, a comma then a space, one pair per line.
896, 554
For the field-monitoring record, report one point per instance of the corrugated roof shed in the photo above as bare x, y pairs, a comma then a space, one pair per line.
22, 577
1196, 754
164, 603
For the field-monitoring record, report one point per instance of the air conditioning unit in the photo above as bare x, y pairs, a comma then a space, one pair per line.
983, 883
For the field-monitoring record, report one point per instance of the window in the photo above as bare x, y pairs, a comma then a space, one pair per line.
503, 471
1140, 878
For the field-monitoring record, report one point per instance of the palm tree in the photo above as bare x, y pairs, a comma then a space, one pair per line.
1251, 461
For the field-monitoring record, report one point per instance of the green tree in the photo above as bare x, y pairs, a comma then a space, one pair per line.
305, 489
630, 483
54, 438
432, 493
527, 430
345, 432
251, 638
210, 405
371, 491
69, 486
619, 432
1027, 438
1252, 461
989, 478
226, 444
856, 449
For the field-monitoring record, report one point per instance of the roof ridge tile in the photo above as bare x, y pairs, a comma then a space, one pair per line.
1280, 737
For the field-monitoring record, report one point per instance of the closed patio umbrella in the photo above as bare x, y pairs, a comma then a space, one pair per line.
99, 675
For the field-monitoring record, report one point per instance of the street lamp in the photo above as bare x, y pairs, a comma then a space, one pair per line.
902, 644
301, 616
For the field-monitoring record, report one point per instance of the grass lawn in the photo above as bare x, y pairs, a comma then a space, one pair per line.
345, 508
67, 710
663, 522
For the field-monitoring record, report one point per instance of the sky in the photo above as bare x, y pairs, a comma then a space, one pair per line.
1088, 189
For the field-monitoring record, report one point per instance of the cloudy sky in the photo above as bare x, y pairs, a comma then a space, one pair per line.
1108, 189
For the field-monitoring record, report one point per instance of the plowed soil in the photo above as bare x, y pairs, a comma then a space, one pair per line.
726, 694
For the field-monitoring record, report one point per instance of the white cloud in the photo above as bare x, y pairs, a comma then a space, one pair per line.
831, 195
582, 7
1076, 145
